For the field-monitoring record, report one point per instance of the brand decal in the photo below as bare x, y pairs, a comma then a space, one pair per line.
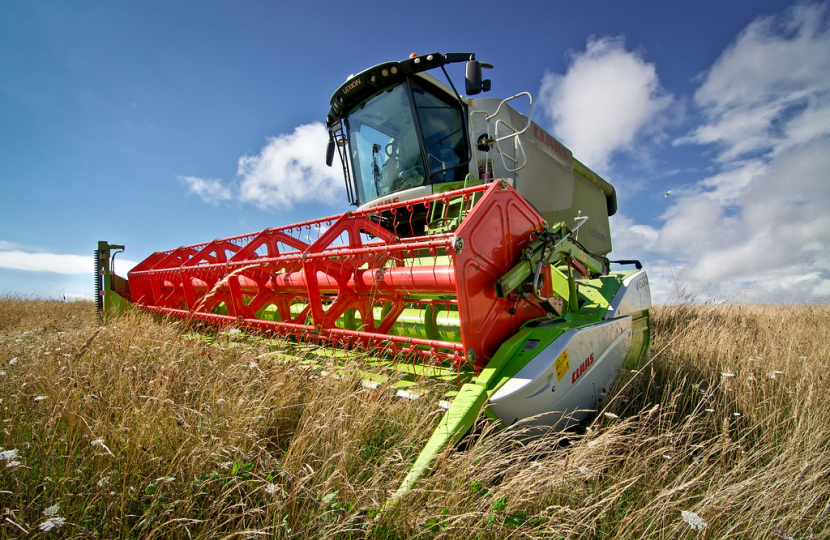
553, 144
583, 367
596, 234
352, 86
385, 201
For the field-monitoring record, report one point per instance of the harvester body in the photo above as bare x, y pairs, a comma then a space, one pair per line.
477, 254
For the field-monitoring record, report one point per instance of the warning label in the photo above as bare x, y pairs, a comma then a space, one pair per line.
562, 365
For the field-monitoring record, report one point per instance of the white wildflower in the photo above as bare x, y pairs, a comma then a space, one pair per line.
103, 481
736, 414
709, 410
9, 455
12, 463
52, 523
723, 374
612, 416
2, 373
695, 521
13, 361
272, 489
667, 457
52, 510
100, 443
40, 398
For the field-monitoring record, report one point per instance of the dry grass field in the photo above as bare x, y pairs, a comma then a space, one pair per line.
138, 429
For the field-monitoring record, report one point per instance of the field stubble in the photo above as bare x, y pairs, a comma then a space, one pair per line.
136, 429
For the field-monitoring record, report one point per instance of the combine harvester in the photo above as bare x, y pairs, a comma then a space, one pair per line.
477, 253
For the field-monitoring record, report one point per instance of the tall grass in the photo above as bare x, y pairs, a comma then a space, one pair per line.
137, 429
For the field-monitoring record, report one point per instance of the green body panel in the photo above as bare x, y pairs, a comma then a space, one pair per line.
456, 421
112, 290
115, 302
640, 340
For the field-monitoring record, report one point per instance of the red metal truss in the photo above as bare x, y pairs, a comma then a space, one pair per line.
317, 273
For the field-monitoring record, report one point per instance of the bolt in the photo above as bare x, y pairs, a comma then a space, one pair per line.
471, 356
503, 184
458, 244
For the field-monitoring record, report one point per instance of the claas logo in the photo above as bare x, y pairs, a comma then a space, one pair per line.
582, 368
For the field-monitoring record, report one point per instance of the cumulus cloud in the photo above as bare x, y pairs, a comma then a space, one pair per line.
210, 191
760, 223
291, 169
770, 90
18, 258
634, 238
776, 232
605, 100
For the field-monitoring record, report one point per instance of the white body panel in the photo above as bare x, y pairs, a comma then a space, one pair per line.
594, 357
405, 195
634, 296
541, 169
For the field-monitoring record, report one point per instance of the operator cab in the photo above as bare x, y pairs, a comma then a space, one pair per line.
400, 131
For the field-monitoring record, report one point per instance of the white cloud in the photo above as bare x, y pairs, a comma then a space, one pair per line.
759, 225
46, 262
606, 99
770, 90
59, 263
291, 169
769, 228
630, 239
210, 191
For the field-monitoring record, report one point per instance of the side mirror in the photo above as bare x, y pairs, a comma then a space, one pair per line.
473, 78
475, 84
330, 152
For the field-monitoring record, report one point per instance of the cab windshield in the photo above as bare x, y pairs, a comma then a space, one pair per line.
386, 154
386, 150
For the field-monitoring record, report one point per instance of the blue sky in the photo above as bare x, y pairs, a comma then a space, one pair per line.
159, 124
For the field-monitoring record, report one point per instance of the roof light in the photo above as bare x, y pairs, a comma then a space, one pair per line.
413, 55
